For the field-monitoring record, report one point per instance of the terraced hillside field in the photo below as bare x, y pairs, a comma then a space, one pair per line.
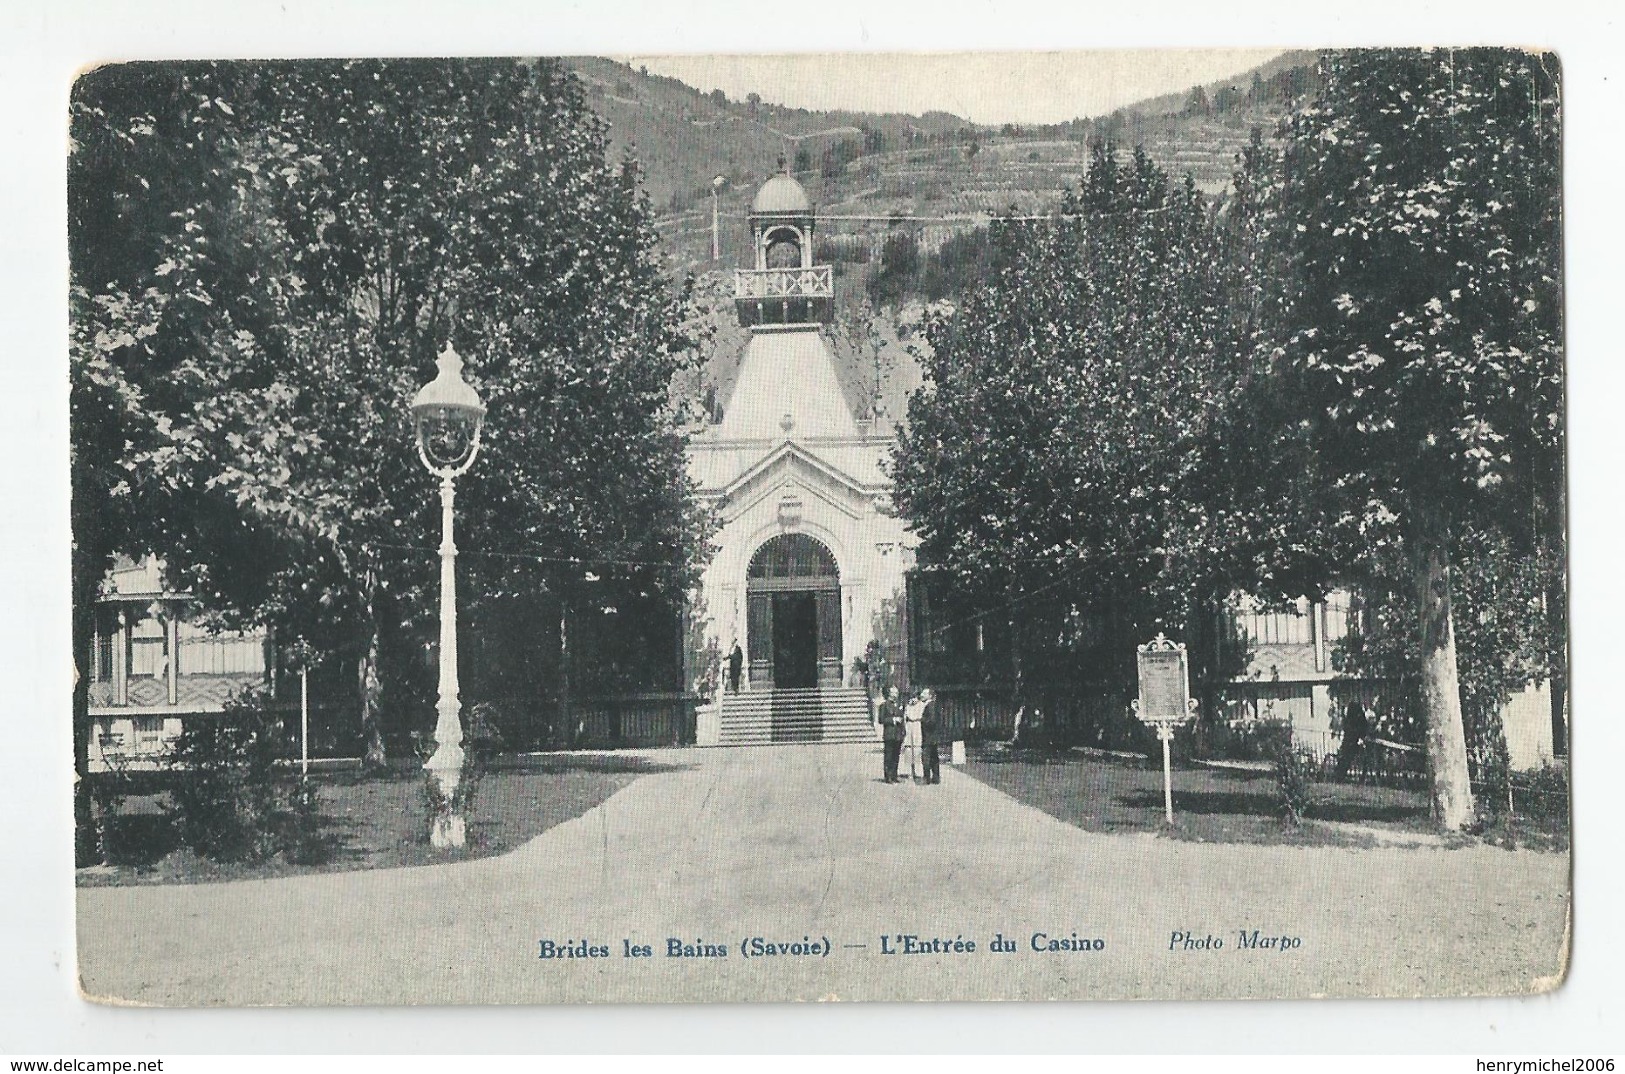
873, 176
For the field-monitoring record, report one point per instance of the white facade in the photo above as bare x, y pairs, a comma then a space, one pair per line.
788, 460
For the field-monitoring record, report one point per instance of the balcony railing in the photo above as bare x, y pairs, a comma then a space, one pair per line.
815, 282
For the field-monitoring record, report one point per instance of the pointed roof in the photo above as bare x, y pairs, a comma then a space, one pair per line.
787, 389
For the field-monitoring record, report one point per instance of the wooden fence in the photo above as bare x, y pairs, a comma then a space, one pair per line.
530, 724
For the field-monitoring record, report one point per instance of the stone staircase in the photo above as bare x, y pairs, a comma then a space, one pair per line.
782, 717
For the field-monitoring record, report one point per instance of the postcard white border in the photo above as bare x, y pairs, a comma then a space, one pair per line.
47, 41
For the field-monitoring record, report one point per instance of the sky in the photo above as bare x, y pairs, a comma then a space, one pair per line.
990, 87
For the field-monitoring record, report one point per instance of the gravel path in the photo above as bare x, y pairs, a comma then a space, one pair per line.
787, 844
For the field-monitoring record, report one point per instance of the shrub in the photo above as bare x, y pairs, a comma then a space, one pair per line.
1522, 808
302, 839
1294, 778
105, 792
1102, 718
1491, 767
139, 839
1543, 793
227, 799
1235, 740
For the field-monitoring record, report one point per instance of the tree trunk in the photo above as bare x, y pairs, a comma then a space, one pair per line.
566, 713
88, 846
1557, 612
1440, 691
1560, 712
373, 757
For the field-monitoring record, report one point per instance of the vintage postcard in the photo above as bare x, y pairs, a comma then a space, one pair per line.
972, 526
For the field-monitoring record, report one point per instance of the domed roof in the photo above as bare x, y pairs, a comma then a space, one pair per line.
781, 194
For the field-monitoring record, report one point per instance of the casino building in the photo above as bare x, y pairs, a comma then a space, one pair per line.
808, 549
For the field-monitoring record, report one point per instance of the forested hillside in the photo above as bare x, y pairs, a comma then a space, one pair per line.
902, 200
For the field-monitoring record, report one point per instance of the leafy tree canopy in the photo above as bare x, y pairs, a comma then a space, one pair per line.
1420, 209
1068, 404
266, 260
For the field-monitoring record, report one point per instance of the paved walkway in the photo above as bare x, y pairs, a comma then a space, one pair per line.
789, 842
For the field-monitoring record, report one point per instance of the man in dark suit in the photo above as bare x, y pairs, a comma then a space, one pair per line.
891, 729
931, 738
736, 664
1356, 727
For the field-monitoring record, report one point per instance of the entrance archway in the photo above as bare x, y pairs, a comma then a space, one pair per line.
793, 614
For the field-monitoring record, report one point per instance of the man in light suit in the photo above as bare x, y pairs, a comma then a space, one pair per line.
913, 715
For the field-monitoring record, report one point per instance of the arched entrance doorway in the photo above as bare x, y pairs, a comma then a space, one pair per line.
793, 614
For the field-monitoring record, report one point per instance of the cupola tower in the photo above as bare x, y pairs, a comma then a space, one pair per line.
785, 287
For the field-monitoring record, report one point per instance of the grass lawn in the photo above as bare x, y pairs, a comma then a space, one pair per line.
379, 822
1213, 805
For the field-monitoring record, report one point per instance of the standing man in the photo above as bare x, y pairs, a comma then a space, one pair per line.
931, 736
1355, 729
913, 714
891, 730
736, 664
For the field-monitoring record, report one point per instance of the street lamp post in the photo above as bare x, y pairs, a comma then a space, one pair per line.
716, 216
447, 416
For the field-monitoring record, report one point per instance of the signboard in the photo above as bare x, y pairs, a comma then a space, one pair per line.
1164, 682
1165, 700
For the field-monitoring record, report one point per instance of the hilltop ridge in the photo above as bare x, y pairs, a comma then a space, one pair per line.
886, 165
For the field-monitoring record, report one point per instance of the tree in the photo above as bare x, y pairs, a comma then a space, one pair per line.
359, 216
1419, 211
1053, 463
837, 155
959, 264
151, 151
861, 345
893, 276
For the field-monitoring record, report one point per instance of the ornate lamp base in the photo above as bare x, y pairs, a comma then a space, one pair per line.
445, 769
447, 832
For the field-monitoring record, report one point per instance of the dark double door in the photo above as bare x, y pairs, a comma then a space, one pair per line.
795, 638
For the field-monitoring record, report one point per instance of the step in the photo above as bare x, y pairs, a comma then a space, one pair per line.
800, 716
831, 740
797, 697
843, 703
767, 736
787, 712
794, 710
761, 710
833, 719
742, 727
